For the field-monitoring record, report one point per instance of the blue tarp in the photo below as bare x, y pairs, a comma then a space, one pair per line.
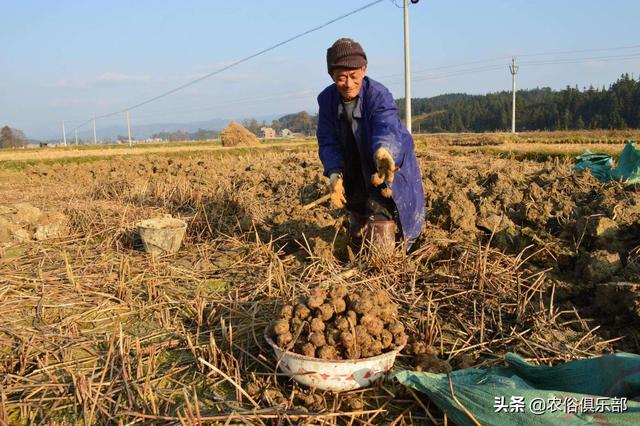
600, 165
604, 391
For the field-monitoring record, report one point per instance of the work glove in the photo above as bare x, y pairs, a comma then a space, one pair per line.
336, 189
386, 168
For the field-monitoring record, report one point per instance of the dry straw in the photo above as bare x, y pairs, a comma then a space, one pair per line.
95, 331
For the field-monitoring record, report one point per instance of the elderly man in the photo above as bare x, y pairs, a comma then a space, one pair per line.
367, 153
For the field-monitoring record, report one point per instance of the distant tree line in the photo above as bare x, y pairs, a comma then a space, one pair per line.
616, 107
12, 138
181, 135
299, 122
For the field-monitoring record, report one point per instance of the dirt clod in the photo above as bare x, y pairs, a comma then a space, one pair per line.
432, 364
600, 265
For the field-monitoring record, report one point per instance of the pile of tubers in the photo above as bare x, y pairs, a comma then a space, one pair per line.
337, 324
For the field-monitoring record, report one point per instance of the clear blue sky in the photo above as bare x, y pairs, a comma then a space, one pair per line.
70, 59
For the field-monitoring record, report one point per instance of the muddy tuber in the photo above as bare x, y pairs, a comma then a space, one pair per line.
336, 323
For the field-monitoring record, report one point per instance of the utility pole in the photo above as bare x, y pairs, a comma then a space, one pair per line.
407, 68
75, 132
514, 70
64, 135
95, 140
129, 127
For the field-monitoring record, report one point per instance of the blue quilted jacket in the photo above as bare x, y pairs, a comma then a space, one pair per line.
376, 124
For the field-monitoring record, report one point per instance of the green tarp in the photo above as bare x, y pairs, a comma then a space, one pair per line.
604, 390
627, 169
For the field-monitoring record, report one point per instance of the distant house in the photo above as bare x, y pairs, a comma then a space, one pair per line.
286, 133
268, 132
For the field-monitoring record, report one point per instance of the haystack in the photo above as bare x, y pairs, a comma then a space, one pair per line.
236, 135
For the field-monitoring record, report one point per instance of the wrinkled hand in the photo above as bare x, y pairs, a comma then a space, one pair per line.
336, 189
386, 169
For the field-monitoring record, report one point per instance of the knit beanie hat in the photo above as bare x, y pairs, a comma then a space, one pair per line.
345, 53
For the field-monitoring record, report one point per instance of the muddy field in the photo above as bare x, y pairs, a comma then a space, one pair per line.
518, 256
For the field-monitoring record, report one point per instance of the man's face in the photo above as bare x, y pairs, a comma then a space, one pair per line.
348, 81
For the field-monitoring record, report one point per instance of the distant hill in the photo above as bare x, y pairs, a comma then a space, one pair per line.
615, 107
143, 131
138, 131
300, 122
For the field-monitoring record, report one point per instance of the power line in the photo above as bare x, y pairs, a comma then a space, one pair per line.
531, 63
304, 93
500, 67
436, 76
238, 62
563, 52
429, 76
587, 59
500, 58
291, 95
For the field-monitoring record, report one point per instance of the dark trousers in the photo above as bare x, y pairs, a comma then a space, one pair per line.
362, 197
369, 202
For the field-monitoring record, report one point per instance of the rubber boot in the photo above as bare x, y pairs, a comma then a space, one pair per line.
381, 236
357, 229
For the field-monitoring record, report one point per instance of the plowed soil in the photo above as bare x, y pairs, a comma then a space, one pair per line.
561, 239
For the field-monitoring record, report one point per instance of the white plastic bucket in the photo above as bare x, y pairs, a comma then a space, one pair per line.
333, 375
161, 235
